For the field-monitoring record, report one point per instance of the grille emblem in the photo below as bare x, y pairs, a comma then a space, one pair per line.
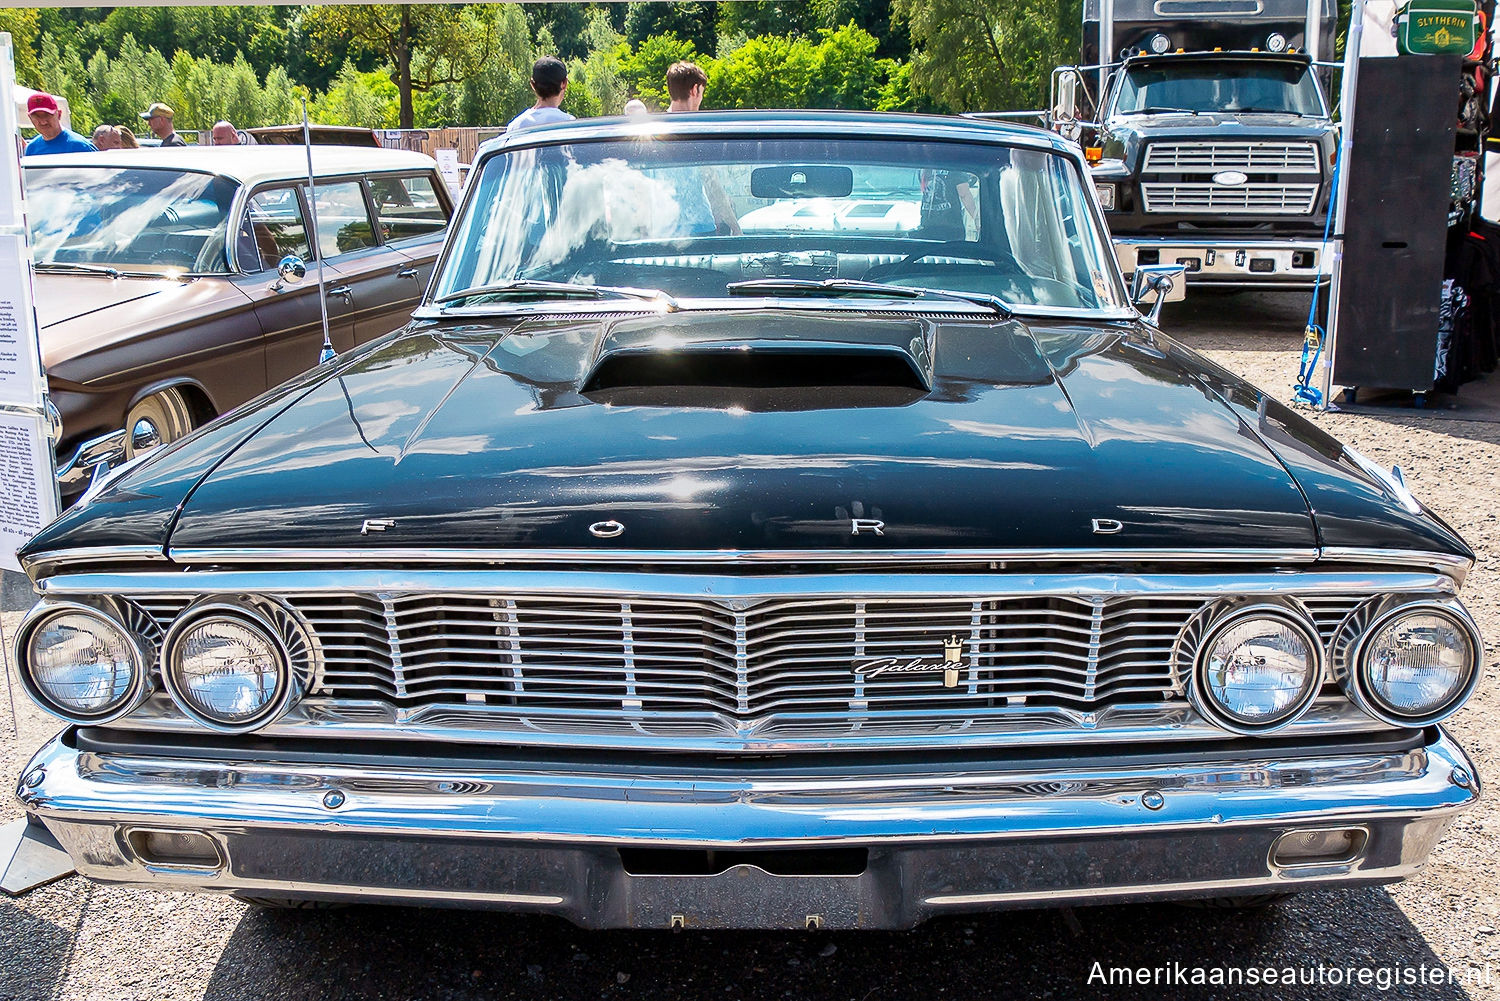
953, 656
606, 529
860, 525
1230, 178
376, 525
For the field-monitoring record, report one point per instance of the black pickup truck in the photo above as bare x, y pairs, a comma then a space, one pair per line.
1212, 144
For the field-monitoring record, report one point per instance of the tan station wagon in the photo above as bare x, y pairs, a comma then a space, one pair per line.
160, 289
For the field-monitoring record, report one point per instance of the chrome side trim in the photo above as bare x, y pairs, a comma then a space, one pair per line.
719, 587
34, 563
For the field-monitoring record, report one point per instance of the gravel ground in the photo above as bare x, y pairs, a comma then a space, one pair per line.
74, 940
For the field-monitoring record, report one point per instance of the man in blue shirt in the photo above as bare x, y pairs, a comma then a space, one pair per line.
51, 137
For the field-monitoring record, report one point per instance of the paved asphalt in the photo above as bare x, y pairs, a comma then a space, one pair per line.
77, 940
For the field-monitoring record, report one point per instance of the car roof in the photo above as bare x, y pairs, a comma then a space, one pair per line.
247, 164
766, 124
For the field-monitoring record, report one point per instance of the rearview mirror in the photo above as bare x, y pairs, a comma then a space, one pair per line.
1158, 284
801, 182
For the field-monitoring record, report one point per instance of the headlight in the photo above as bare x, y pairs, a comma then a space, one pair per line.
1106, 196
79, 663
226, 668
1418, 664
1258, 669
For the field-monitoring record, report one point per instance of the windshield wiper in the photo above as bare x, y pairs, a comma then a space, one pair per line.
83, 269
850, 286
1154, 110
1275, 111
532, 287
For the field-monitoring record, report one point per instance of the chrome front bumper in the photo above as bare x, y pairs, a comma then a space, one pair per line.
764, 844
1229, 263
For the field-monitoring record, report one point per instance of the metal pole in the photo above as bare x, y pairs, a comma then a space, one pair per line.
327, 354
1107, 54
1311, 32
1340, 203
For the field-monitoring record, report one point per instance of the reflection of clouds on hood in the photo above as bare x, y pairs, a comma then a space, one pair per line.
608, 201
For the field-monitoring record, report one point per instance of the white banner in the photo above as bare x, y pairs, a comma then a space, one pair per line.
21, 384
27, 497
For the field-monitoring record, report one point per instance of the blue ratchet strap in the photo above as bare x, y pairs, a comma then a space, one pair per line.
1314, 335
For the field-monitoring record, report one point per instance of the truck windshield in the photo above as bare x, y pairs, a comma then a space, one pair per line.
1234, 85
694, 217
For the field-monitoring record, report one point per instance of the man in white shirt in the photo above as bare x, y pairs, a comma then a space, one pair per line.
549, 81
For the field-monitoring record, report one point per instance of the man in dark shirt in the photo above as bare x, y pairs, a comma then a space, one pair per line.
51, 137
159, 118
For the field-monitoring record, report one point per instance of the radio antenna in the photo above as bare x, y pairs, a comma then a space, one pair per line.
327, 354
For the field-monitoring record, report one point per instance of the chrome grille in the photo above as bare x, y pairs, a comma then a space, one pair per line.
1246, 199
1250, 157
781, 666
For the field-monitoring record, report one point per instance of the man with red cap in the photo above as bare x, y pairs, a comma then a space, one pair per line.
51, 137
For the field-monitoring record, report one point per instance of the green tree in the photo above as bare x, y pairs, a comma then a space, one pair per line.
62, 72
988, 55
25, 29
644, 71
695, 21
759, 18
426, 46
368, 99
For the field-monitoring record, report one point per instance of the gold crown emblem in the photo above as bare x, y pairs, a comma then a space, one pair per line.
953, 650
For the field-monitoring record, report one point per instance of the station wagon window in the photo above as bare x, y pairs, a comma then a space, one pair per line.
276, 226
343, 218
407, 207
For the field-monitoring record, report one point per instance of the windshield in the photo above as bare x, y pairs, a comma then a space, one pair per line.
1220, 85
128, 218
691, 217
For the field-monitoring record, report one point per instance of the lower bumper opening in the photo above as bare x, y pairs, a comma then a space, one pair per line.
712, 862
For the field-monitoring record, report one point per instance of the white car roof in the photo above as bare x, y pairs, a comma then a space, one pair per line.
247, 164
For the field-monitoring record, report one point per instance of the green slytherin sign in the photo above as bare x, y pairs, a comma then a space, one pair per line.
1436, 26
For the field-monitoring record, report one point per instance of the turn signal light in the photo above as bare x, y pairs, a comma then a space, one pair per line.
1333, 846
1093, 154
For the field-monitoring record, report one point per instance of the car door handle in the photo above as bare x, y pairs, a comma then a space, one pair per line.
407, 273
347, 291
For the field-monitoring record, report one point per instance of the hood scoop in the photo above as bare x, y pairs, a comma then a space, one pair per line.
782, 362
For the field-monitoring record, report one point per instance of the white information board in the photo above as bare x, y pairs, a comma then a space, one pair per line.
447, 164
28, 484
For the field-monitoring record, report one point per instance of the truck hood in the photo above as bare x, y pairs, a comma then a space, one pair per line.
696, 432
1209, 126
953, 433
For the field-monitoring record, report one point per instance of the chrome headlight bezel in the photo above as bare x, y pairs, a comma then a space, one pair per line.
140, 679
1365, 623
1226, 617
246, 614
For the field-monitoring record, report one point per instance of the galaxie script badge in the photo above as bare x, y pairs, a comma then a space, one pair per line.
953, 655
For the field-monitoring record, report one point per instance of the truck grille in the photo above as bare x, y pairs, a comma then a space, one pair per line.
1242, 199
1250, 157
777, 667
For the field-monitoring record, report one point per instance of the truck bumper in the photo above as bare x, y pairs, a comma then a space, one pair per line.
1229, 263
760, 845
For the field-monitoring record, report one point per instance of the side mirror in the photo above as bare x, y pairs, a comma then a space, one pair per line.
290, 271
144, 437
1158, 284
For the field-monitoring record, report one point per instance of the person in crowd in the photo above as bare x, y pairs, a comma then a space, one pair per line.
636, 108
159, 119
106, 137
224, 134
127, 137
703, 207
686, 83
51, 137
549, 81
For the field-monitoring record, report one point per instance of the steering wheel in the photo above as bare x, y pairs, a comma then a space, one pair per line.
950, 248
173, 258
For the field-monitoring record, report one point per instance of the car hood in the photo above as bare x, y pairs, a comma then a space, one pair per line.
952, 433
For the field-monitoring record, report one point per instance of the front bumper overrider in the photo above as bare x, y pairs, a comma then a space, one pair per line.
769, 843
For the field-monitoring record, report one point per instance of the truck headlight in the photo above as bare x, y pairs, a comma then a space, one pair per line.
79, 663
1106, 196
1258, 669
1418, 664
226, 667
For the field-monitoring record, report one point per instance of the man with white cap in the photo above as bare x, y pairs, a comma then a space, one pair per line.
159, 118
51, 137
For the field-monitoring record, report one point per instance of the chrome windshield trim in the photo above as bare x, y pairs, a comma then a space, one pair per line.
919, 307
744, 557
717, 587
